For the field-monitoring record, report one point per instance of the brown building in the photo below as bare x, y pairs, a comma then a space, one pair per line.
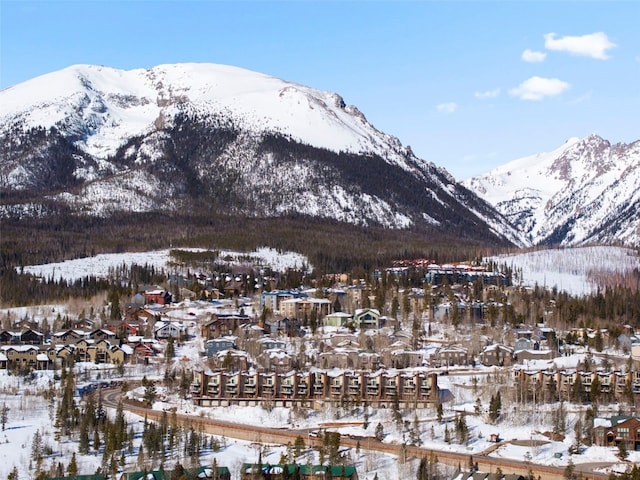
616, 430
409, 386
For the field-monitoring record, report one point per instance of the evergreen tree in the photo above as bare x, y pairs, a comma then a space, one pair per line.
36, 447
141, 458
559, 420
428, 468
414, 434
298, 446
96, 440
462, 430
495, 407
598, 342
4, 415
569, 471
72, 468
578, 431
83, 442
379, 432
397, 416
577, 391
623, 451
114, 305
177, 472
13, 474
170, 350
589, 417
150, 393
395, 305
596, 390
423, 472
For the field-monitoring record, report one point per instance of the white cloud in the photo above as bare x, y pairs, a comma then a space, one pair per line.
487, 94
537, 88
594, 45
533, 57
448, 107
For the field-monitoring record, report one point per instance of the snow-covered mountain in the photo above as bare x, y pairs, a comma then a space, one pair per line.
585, 191
95, 140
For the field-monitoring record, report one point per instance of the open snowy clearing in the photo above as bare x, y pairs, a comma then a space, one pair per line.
568, 269
101, 265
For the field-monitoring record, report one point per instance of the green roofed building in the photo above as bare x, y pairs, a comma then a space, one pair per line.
150, 475
221, 473
252, 471
204, 473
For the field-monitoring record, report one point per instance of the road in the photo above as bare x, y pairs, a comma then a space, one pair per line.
283, 436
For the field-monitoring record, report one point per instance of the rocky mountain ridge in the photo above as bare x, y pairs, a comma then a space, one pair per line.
587, 191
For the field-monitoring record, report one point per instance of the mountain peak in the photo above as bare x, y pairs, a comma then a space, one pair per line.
108, 98
99, 140
585, 191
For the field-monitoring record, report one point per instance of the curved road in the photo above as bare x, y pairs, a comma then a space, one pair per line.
282, 436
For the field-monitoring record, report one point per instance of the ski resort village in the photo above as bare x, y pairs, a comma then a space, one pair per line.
209, 364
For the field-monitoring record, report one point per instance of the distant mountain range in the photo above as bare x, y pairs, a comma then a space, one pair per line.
95, 141
585, 192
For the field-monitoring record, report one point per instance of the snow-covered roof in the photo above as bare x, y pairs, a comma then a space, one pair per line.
127, 349
602, 422
339, 315
19, 348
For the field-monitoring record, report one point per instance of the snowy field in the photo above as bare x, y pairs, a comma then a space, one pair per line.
100, 265
568, 269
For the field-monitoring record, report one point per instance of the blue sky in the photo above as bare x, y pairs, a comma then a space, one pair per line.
468, 85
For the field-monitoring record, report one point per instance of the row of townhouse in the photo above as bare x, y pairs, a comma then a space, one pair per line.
31, 336
52, 356
212, 387
615, 383
27, 336
27, 357
279, 360
47, 357
226, 324
491, 355
72, 336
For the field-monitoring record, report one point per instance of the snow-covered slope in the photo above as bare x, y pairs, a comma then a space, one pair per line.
105, 107
95, 140
586, 191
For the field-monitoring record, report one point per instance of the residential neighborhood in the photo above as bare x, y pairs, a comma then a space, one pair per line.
338, 347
